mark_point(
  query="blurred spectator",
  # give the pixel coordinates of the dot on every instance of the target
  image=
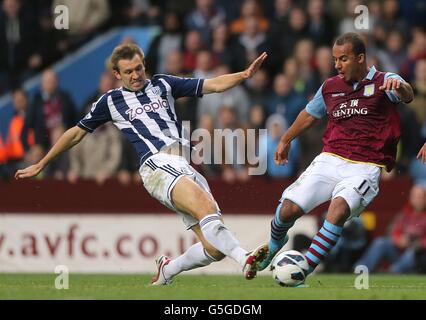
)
(285, 100)
(50, 114)
(280, 19)
(102, 164)
(416, 51)
(12, 153)
(396, 49)
(375, 52)
(291, 70)
(279, 26)
(4, 169)
(409, 143)
(389, 19)
(233, 146)
(204, 18)
(321, 26)
(407, 235)
(109, 159)
(192, 45)
(417, 169)
(419, 86)
(204, 65)
(298, 29)
(185, 107)
(226, 50)
(256, 117)
(258, 88)
(142, 12)
(135, 12)
(413, 12)
(53, 43)
(250, 9)
(304, 55)
(85, 18)
(107, 82)
(236, 98)
(18, 37)
(276, 126)
(324, 69)
(174, 64)
(253, 40)
(170, 39)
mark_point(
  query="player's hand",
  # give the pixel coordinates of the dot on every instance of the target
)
(255, 65)
(422, 154)
(281, 153)
(391, 84)
(28, 172)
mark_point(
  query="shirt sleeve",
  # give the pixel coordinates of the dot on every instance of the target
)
(391, 93)
(316, 107)
(98, 115)
(184, 87)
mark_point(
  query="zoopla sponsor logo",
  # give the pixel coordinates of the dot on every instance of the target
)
(148, 107)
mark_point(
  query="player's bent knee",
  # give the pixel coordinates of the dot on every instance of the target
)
(213, 252)
(208, 207)
(290, 211)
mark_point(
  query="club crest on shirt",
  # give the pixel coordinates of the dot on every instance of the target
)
(156, 90)
(369, 90)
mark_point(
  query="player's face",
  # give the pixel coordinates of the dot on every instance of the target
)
(347, 64)
(132, 73)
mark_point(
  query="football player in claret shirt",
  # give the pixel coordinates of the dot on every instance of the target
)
(360, 140)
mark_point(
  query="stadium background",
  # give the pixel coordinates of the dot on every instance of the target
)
(105, 221)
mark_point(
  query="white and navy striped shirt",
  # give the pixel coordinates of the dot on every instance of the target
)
(147, 117)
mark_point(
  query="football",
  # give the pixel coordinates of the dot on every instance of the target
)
(289, 268)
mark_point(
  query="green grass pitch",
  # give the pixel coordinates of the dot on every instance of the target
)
(210, 287)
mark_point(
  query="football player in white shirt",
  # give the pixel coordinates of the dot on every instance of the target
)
(143, 110)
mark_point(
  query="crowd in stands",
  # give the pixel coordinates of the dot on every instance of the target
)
(204, 38)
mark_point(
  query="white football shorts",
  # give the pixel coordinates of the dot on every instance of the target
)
(329, 177)
(161, 172)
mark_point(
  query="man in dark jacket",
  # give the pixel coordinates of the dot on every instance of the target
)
(51, 113)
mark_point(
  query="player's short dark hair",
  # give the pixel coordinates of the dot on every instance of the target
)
(358, 45)
(125, 52)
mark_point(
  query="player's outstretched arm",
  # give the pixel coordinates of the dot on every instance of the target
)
(69, 139)
(402, 89)
(227, 81)
(303, 122)
(422, 153)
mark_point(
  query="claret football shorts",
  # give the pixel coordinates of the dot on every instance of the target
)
(161, 172)
(329, 177)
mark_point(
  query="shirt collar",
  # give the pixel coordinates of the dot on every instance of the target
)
(371, 73)
(147, 82)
